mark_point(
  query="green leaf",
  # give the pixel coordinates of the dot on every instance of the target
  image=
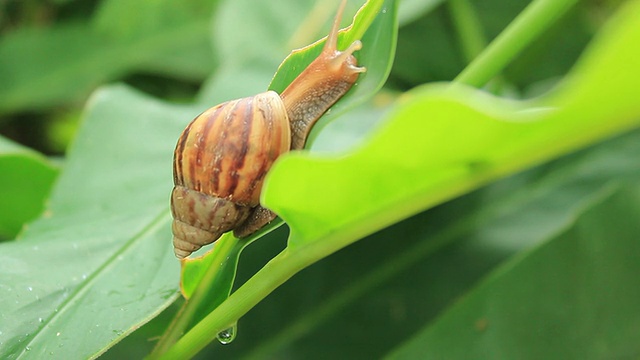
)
(410, 166)
(121, 18)
(100, 263)
(573, 297)
(171, 39)
(24, 185)
(48, 66)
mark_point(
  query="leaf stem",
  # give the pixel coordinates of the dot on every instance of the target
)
(274, 273)
(226, 248)
(468, 27)
(528, 25)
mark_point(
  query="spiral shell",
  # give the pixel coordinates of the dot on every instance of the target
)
(219, 166)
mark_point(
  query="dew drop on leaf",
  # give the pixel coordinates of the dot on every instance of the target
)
(227, 335)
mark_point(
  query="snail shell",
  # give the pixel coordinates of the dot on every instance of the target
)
(224, 154)
(219, 167)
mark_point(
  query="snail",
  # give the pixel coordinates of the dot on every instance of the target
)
(223, 155)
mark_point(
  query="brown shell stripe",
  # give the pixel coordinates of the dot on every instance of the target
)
(178, 177)
(244, 112)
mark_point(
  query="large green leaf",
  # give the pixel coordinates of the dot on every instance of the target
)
(24, 185)
(100, 263)
(574, 297)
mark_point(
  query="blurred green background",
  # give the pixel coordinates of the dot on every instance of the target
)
(53, 54)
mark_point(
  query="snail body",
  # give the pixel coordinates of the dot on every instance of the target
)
(223, 155)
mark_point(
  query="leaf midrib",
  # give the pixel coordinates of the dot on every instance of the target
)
(84, 287)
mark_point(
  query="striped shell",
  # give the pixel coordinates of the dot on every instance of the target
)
(219, 166)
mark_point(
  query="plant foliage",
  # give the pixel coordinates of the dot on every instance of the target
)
(493, 226)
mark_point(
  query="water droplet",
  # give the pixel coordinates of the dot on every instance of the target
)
(27, 348)
(40, 320)
(30, 288)
(84, 276)
(227, 335)
(58, 334)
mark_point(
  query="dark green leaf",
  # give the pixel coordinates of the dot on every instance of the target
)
(574, 297)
